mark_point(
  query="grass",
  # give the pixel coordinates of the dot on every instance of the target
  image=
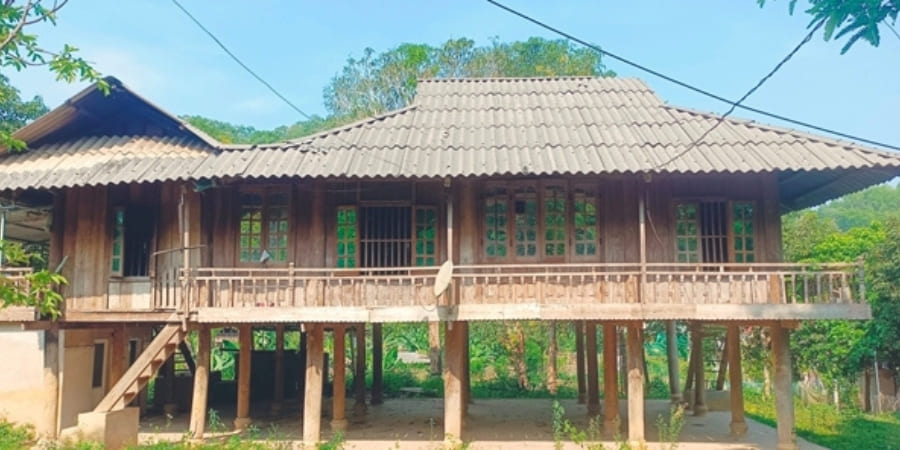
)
(14, 436)
(823, 425)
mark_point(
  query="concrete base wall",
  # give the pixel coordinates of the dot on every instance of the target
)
(715, 400)
(23, 396)
(115, 429)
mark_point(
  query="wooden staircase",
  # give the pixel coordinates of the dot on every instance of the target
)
(138, 375)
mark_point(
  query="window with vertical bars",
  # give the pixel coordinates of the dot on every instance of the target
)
(263, 226)
(495, 224)
(585, 223)
(426, 232)
(346, 239)
(742, 232)
(554, 202)
(525, 222)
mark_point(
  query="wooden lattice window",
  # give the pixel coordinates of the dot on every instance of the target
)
(263, 226)
(347, 236)
(496, 205)
(554, 212)
(426, 233)
(585, 223)
(687, 249)
(525, 222)
(742, 232)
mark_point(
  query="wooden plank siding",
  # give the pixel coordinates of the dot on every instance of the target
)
(308, 286)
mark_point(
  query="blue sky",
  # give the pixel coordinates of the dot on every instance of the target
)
(722, 46)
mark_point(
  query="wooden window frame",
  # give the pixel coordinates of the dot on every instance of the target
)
(489, 190)
(104, 366)
(122, 230)
(415, 236)
(265, 192)
(598, 237)
(355, 241)
(729, 226)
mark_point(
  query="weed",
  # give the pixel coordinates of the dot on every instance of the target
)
(335, 443)
(670, 430)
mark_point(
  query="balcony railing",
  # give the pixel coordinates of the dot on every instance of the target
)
(540, 284)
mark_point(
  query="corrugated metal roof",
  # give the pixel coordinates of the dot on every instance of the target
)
(484, 127)
(100, 160)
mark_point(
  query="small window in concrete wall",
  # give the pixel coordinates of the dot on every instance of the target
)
(132, 351)
(98, 374)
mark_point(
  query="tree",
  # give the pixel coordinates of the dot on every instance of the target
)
(20, 49)
(858, 19)
(379, 82)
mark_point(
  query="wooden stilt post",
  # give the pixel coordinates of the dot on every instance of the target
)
(635, 344)
(453, 381)
(312, 399)
(169, 406)
(700, 408)
(467, 379)
(672, 357)
(278, 389)
(723, 368)
(359, 376)
(610, 380)
(593, 388)
(245, 338)
(733, 343)
(579, 360)
(377, 364)
(118, 355)
(784, 395)
(339, 414)
(201, 383)
(434, 347)
(689, 379)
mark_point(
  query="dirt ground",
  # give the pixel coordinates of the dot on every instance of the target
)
(491, 424)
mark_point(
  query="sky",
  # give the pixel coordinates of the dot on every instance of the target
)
(298, 46)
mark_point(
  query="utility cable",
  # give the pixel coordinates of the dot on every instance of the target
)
(741, 100)
(683, 84)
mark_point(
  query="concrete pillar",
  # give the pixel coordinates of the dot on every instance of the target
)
(784, 394)
(245, 339)
(672, 358)
(700, 408)
(278, 388)
(454, 366)
(339, 406)
(377, 365)
(733, 343)
(593, 388)
(312, 399)
(635, 345)
(610, 380)
(48, 425)
(359, 377)
(201, 383)
(579, 360)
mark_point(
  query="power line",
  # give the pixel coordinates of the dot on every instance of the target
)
(748, 94)
(241, 63)
(891, 27)
(685, 84)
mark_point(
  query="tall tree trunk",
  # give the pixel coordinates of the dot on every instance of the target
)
(723, 367)
(552, 381)
(517, 339)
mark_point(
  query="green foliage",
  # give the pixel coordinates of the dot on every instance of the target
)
(670, 429)
(20, 49)
(38, 289)
(824, 425)
(378, 82)
(241, 134)
(15, 112)
(14, 436)
(855, 19)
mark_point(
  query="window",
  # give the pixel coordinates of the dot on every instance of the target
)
(547, 221)
(132, 241)
(714, 232)
(526, 224)
(426, 232)
(346, 236)
(98, 372)
(585, 223)
(495, 226)
(263, 226)
(742, 232)
(554, 221)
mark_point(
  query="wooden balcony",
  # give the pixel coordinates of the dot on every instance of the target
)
(16, 277)
(498, 292)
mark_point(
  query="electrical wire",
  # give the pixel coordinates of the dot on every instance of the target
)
(744, 97)
(683, 84)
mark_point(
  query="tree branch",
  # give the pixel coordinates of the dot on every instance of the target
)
(15, 31)
(56, 7)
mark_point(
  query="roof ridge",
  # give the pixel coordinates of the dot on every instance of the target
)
(535, 78)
